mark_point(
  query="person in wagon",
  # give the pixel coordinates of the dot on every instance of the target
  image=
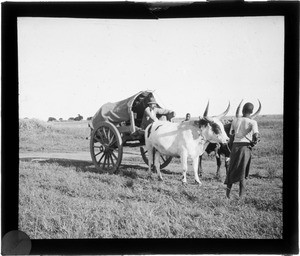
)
(245, 135)
(151, 112)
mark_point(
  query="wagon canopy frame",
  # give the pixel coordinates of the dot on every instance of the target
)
(128, 112)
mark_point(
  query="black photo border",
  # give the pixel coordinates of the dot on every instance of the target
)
(138, 10)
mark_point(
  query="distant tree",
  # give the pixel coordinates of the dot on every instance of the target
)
(89, 118)
(71, 119)
(78, 118)
(60, 119)
(51, 119)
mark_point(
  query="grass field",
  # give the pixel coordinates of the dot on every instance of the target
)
(63, 198)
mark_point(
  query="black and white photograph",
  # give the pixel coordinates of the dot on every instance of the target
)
(152, 128)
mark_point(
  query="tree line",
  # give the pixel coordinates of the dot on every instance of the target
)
(77, 118)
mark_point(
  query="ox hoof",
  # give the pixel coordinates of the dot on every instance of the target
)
(198, 183)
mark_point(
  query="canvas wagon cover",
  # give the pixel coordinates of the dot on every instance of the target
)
(120, 111)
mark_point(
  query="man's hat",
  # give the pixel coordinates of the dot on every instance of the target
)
(152, 101)
(248, 108)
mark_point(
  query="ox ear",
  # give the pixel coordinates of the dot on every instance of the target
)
(202, 121)
(257, 112)
(205, 121)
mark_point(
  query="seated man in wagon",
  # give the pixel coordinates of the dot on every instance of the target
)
(152, 112)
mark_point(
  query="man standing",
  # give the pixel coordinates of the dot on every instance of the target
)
(151, 112)
(187, 117)
(244, 130)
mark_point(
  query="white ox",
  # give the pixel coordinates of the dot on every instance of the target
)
(184, 140)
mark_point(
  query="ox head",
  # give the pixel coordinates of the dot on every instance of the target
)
(237, 114)
(212, 127)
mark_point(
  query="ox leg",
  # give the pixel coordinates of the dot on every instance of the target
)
(157, 164)
(195, 167)
(217, 150)
(184, 163)
(200, 170)
(227, 164)
(150, 160)
(218, 167)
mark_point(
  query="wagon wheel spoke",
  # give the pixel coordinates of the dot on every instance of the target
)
(108, 156)
(99, 161)
(97, 139)
(109, 137)
(113, 154)
(104, 131)
(98, 153)
(112, 160)
(101, 137)
(103, 166)
(111, 144)
(112, 141)
(163, 158)
(99, 133)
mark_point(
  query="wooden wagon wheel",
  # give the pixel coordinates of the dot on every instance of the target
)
(106, 147)
(165, 160)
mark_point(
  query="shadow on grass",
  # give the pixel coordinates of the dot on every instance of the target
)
(80, 165)
(132, 166)
(164, 171)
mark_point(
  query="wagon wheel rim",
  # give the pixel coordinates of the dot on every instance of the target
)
(164, 160)
(106, 148)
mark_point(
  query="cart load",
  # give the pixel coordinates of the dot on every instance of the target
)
(121, 111)
(116, 125)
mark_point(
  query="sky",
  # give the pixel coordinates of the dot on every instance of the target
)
(71, 66)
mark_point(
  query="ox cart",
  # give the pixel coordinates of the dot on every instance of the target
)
(118, 125)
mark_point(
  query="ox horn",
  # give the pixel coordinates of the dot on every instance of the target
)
(257, 112)
(237, 113)
(206, 110)
(225, 112)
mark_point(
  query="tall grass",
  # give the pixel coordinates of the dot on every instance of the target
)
(60, 202)
(36, 135)
(271, 130)
(71, 199)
